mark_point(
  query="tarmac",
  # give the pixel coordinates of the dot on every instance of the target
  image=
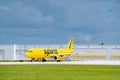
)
(95, 62)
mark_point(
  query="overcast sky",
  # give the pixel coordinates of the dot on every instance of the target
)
(54, 21)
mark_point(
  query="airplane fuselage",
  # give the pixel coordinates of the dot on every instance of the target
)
(46, 52)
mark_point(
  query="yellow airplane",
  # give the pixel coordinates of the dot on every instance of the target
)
(43, 53)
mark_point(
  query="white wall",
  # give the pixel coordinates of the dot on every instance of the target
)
(11, 52)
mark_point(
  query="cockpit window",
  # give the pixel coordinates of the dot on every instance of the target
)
(29, 51)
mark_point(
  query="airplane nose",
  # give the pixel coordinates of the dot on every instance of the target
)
(27, 54)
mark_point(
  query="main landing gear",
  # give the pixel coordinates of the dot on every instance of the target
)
(58, 58)
(43, 60)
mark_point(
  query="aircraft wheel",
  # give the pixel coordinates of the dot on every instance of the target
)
(43, 60)
(32, 59)
(55, 57)
(58, 60)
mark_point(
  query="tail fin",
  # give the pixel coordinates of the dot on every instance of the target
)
(70, 44)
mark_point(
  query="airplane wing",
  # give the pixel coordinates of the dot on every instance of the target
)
(52, 55)
(59, 56)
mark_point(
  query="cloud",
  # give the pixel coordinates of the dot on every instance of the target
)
(26, 14)
(48, 19)
(90, 15)
(3, 8)
(85, 37)
(107, 37)
(89, 21)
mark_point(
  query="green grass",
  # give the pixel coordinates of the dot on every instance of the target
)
(59, 72)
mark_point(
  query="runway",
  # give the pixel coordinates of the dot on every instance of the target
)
(96, 62)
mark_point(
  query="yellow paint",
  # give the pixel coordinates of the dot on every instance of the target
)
(116, 55)
(40, 53)
(59, 58)
(89, 55)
